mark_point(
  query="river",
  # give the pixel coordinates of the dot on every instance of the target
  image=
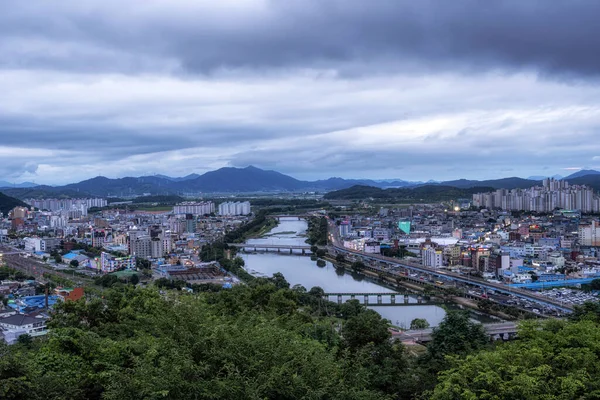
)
(301, 270)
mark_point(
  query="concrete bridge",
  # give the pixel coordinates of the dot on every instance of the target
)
(380, 296)
(298, 217)
(272, 247)
(500, 330)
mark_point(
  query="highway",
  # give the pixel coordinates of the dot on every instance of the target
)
(447, 275)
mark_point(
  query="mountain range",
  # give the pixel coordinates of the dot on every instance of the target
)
(252, 179)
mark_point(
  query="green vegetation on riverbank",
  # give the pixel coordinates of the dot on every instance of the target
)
(317, 231)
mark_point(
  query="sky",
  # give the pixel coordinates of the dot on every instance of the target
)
(413, 90)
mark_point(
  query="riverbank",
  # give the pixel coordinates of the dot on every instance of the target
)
(262, 230)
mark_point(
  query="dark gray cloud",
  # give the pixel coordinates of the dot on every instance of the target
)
(354, 37)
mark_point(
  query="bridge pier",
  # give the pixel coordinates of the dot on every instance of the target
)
(291, 251)
(352, 297)
(419, 299)
(393, 299)
(279, 250)
(339, 299)
(405, 298)
(366, 299)
(379, 300)
(303, 252)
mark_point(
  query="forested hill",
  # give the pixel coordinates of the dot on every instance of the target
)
(7, 203)
(427, 193)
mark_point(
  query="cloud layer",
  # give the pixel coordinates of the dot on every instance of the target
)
(314, 88)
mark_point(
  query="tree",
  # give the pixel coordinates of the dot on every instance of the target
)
(316, 291)
(25, 339)
(551, 360)
(456, 334)
(364, 328)
(595, 284)
(279, 280)
(135, 279)
(419, 323)
(358, 265)
(74, 263)
(57, 258)
(340, 258)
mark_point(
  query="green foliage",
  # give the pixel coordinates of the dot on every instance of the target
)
(340, 258)
(358, 266)
(317, 232)
(251, 342)
(74, 263)
(419, 323)
(552, 360)
(595, 284)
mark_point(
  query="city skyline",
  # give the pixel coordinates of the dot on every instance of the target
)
(312, 89)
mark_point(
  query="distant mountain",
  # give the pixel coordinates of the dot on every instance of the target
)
(7, 203)
(592, 180)
(504, 183)
(5, 184)
(541, 177)
(249, 179)
(583, 172)
(238, 180)
(419, 194)
(183, 178)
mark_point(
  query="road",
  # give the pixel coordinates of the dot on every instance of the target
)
(521, 293)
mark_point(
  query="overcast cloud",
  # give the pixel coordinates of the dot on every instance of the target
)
(416, 90)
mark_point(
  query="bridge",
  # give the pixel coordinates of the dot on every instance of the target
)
(272, 247)
(386, 262)
(505, 330)
(380, 296)
(298, 216)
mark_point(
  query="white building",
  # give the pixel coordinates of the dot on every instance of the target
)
(237, 208)
(589, 234)
(19, 324)
(372, 247)
(32, 244)
(194, 208)
(432, 257)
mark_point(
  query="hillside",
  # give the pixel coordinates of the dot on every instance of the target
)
(582, 173)
(592, 181)
(504, 183)
(427, 193)
(7, 203)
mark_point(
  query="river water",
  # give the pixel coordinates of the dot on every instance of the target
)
(301, 270)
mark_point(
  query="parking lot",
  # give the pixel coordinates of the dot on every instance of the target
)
(570, 296)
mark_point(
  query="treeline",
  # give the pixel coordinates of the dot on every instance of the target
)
(262, 340)
(317, 231)
(267, 340)
(426, 193)
(160, 199)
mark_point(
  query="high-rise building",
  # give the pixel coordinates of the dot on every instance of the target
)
(234, 208)
(589, 233)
